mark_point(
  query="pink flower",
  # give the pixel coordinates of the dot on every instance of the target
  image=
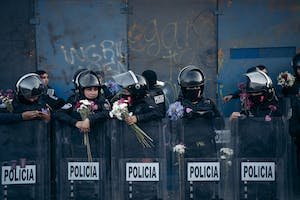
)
(268, 118)
(188, 110)
(272, 108)
(94, 106)
(242, 86)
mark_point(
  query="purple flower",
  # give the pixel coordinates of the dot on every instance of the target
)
(175, 111)
(113, 87)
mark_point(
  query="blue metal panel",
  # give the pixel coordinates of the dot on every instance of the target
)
(168, 35)
(80, 34)
(271, 52)
(246, 31)
(17, 41)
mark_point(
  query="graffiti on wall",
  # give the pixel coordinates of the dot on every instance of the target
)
(108, 56)
(174, 44)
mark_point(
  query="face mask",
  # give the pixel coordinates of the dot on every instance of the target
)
(192, 95)
(257, 99)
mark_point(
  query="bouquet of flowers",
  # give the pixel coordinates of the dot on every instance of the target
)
(6, 99)
(120, 111)
(285, 79)
(246, 104)
(175, 111)
(85, 108)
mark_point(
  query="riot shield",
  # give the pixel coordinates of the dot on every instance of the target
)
(25, 159)
(77, 178)
(138, 172)
(261, 158)
(195, 174)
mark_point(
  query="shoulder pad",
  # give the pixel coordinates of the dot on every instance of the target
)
(66, 106)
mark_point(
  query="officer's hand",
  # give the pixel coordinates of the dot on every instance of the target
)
(28, 115)
(82, 126)
(227, 98)
(234, 116)
(131, 120)
(85, 126)
(45, 116)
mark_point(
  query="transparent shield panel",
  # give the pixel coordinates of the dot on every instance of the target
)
(138, 172)
(25, 159)
(205, 168)
(78, 178)
(260, 164)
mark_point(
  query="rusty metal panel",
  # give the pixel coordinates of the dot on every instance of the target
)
(17, 33)
(167, 35)
(269, 29)
(74, 34)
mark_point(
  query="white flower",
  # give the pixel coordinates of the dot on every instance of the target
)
(226, 152)
(179, 148)
(285, 79)
(85, 102)
(118, 110)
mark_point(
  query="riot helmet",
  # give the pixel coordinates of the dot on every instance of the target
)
(87, 78)
(76, 76)
(30, 86)
(191, 80)
(258, 81)
(135, 84)
(259, 86)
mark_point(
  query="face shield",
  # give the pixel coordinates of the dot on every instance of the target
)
(126, 79)
(135, 84)
(258, 82)
(30, 86)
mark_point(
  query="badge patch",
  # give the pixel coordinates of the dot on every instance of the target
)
(159, 99)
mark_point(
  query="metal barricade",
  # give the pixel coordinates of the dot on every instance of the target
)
(261, 158)
(25, 159)
(76, 177)
(138, 172)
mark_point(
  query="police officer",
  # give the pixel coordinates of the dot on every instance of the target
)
(258, 96)
(29, 89)
(49, 96)
(135, 90)
(294, 90)
(155, 92)
(191, 80)
(88, 86)
(236, 94)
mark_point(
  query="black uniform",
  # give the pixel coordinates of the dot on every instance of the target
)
(52, 100)
(145, 110)
(70, 116)
(155, 92)
(203, 108)
(158, 97)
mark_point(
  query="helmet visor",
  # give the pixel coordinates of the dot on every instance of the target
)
(126, 79)
(31, 86)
